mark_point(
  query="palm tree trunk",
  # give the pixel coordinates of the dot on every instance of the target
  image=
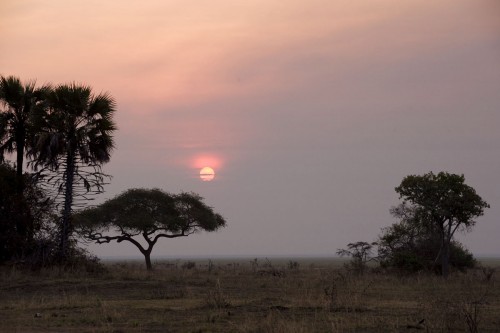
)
(20, 161)
(23, 225)
(20, 136)
(68, 203)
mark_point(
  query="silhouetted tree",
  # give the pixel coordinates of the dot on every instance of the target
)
(12, 215)
(147, 214)
(412, 244)
(21, 102)
(360, 253)
(442, 202)
(74, 139)
(32, 208)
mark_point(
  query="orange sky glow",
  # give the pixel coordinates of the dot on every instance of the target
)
(303, 108)
(206, 160)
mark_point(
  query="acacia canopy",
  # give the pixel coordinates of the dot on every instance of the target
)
(150, 214)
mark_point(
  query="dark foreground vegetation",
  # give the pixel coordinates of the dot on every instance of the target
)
(63, 135)
(247, 296)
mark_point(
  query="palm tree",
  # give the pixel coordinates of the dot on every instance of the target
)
(75, 133)
(22, 102)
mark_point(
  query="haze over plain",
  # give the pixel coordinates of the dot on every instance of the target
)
(309, 112)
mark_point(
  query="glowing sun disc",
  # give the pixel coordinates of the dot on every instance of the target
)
(207, 174)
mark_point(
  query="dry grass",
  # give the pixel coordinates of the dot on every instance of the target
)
(246, 297)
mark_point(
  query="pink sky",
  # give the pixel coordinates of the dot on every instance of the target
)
(310, 112)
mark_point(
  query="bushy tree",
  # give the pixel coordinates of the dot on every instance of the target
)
(444, 202)
(13, 215)
(32, 208)
(149, 214)
(414, 243)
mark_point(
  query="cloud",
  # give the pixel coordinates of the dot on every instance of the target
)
(314, 110)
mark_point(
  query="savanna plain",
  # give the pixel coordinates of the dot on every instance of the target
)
(248, 295)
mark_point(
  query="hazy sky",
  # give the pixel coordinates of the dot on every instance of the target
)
(310, 112)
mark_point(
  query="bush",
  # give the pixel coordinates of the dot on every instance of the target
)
(404, 261)
(26, 218)
(14, 216)
(460, 257)
(414, 244)
(188, 265)
(423, 254)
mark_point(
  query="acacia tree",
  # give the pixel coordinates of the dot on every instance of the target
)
(360, 252)
(74, 139)
(446, 203)
(147, 214)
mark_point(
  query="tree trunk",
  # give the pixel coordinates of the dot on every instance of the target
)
(24, 225)
(147, 256)
(445, 258)
(19, 166)
(68, 203)
(20, 138)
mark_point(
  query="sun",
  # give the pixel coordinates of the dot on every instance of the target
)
(207, 174)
